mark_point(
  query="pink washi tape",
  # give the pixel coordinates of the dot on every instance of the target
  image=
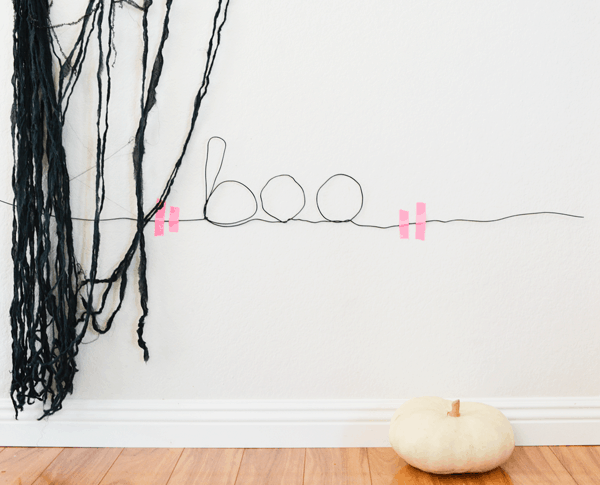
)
(421, 220)
(403, 224)
(174, 219)
(159, 221)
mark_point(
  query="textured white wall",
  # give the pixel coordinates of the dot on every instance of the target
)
(479, 109)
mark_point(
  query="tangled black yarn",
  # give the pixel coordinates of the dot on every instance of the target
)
(44, 307)
(53, 304)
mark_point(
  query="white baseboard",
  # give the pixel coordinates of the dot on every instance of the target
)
(273, 424)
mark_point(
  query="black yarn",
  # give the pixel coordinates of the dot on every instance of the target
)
(44, 308)
(46, 323)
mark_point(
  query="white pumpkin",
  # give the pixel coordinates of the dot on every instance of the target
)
(441, 436)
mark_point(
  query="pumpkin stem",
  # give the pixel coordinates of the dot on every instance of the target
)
(455, 409)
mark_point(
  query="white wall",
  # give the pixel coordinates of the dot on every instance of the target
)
(479, 109)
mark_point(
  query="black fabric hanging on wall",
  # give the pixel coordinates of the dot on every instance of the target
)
(53, 302)
(44, 308)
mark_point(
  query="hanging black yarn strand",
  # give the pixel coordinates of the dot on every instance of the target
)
(43, 312)
(213, 46)
(70, 69)
(119, 275)
(101, 140)
(138, 156)
(214, 42)
(147, 102)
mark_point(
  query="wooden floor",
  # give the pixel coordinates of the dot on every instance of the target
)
(562, 465)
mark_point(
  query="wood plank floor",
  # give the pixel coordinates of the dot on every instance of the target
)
(547, 465)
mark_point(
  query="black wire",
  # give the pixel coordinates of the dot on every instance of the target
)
(362, 198)
(262, 202)
(295, 219)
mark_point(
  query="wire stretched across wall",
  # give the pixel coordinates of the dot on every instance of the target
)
(293, 214)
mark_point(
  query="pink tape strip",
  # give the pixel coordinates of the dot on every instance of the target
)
(159, 221)
(421, 219)
(174, 219)
(403, 224)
